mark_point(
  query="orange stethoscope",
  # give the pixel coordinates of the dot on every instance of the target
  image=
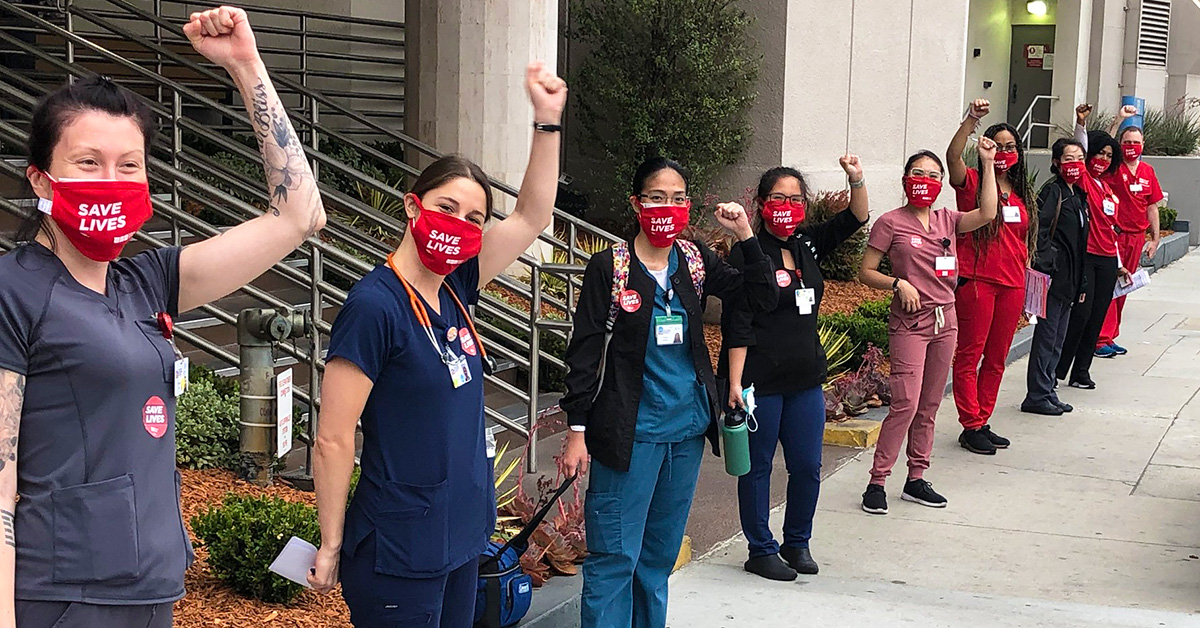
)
(423, 318)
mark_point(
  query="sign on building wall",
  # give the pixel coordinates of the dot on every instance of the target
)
(1039, 56)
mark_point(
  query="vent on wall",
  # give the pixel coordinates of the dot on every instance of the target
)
(1153, 27)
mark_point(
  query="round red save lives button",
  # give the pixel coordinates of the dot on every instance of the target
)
(631, 301)
(916, 241)
(783, 278)
(468, 343)
(154, 417)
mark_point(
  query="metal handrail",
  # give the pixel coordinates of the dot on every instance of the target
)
(1028, 119)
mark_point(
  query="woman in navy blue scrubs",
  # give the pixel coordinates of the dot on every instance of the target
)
(405, 360)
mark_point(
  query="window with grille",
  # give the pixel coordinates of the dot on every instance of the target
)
(1153, 28)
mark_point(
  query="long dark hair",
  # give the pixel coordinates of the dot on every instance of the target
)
(59, 109)
(449, 168)
(1018, 177)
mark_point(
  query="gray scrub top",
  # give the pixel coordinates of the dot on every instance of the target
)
(98, 517)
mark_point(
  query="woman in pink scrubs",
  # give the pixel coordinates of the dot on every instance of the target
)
(922, 329)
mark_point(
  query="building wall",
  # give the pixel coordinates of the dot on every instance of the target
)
(1107, 54)
(1021, 14)
(1183, 53)
(989, 31)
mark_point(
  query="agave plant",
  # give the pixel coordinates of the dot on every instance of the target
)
(839, 349)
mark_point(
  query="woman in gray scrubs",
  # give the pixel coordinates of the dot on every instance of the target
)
(87, 378)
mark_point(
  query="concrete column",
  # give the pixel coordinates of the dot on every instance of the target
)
(1183, 53)
(1107, 54)
(465, 77)
(1072, 52)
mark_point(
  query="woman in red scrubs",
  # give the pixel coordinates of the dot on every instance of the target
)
(991, 284)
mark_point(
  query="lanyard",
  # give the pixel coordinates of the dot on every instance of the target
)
(423, 316)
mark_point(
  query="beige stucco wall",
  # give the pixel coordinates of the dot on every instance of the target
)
(989, 30)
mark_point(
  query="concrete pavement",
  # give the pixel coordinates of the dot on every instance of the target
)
(1090, 519)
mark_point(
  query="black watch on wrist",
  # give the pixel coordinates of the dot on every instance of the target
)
(896, 284)
(547, 128)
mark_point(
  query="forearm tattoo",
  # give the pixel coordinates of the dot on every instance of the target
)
(12, 397)
(288, 174)
(10, 538)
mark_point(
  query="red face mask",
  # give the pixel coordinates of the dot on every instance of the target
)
(444, 242)
(1098, 166)
(1005, 160)
(922, 191)
(782, 217)
(1132, 152)
(1072, 171)
(663, 223)
(98, 216)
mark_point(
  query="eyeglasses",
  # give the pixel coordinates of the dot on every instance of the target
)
(932, 174)
(1007, 148)
(662, 199)
(797, 199)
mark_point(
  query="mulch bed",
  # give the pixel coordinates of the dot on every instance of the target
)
(842, 297)
(211, 603)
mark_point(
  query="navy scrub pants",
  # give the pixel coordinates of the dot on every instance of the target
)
(33, 614)
(797, 421)
(381, 601)
(635, 522)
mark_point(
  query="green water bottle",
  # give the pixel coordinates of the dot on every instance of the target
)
(735, 438)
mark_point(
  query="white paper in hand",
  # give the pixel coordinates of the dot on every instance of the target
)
(295, 561)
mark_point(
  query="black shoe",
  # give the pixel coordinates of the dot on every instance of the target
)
(921, 492)
(1047, 409)
(875, 500)
(976, 442)
(771, 567)
(1065, 407)
(1083, 382)
(999, 441)
(800, 559)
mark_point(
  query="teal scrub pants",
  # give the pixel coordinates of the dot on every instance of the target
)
(635, 523)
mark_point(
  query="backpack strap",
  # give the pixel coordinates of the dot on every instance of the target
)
(620, 281)
(695, 263)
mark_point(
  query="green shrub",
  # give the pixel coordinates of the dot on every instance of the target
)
(861, 329)
(1166, 217)
(843, 263)
(1174, 132)
(225, 386)
(244, 535)
(671, 77)
(876, 310)
(206, 427)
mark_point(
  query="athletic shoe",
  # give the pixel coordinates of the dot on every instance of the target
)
(999, 441)
(800, 559)
(921, 492)
(1083, 382)
(976, 442)
(875, 500)
(1117, 349)
(771, 567)
(1047, 409)
(1065, 407)
(1106, 351)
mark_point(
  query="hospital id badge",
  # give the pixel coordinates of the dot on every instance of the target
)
(1110, 208)
(1012, 213)
(460, 371)
(668, 330)
(805, 299)
(944, 265)
(181, 376)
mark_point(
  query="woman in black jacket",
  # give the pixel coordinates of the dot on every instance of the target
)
(642, 403)
(1061, 249)
(779, 353)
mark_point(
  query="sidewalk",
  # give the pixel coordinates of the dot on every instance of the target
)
(1090, 519)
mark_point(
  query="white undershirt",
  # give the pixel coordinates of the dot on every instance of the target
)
(661, 277)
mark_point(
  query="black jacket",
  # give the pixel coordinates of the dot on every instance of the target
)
(784, 354)
(611, 419)
(1060, 254)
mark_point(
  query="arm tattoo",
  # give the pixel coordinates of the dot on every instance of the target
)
(10, 538)
(12, 397)
(283, 155)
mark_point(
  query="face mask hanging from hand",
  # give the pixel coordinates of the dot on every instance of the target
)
(443, 242)
(663, 223)
(98, 216)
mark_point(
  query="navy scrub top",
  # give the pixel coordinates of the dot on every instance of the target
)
(426, 487)
(98, 519)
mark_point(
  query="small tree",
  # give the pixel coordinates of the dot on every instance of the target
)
(663, 77)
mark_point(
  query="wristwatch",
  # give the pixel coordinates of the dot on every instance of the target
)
(547, 128)
(896, 284)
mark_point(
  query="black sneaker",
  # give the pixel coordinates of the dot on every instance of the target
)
(999, 441)
(875, 500)
(921, 492)
(1083, 382)
(1065, 407)
(800, 559)
(976, 442)
(771, 567)
(1046, 408)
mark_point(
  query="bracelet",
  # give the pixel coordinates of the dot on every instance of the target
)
(896, 284)
(857, 184)
(547, 128)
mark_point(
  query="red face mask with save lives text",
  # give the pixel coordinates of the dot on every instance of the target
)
(98, 216)
(1132, 152)
(782, 217)
(922, 191)
(663, 223)
(1072, 171)
(444, 242)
